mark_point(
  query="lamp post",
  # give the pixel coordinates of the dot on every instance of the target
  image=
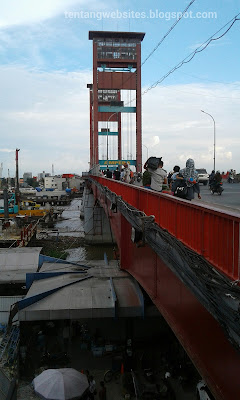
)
(147, 150)
(107, 133)
(214, 137)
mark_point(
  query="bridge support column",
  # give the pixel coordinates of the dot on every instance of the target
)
(96, 224)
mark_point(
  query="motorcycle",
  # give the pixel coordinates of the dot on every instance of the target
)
(230, 179)
(217, 188)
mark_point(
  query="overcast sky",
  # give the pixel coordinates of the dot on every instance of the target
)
(46, 63)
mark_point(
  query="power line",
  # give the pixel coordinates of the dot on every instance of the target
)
(199, 49)
(201, 94)
(168, 32)
(163, 38)
(206, 79)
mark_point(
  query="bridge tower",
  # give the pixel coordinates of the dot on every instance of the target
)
(116, 67)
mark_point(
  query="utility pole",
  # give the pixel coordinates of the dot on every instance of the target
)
(1, 170)
(8, 180)
(214, 140)
(5, 196)
(17, 192)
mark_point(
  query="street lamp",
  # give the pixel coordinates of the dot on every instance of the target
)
(107, 132)
(147, 150)
(214, 137)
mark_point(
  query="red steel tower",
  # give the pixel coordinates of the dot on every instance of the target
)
(116, 67)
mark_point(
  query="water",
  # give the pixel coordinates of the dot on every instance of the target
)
(73, 226)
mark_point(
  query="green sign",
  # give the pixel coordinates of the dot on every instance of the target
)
(116, 162)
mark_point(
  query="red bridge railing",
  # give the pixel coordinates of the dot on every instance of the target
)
(209, 231)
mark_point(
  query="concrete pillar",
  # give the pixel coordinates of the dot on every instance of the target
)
(96, 224)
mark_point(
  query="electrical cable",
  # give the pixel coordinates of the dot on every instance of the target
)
(110, 227)
(199, 49)
(186, 60)
(162, 39)
(215, 291)
(201, 94)
(168, 32)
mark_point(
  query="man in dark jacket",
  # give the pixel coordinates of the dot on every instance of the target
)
(108, 174)
(117, 174)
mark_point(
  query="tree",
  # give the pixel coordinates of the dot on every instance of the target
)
(32, 182)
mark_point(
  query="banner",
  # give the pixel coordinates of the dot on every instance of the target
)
(116, 163)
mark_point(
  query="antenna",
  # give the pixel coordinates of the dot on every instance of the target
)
(52, 170)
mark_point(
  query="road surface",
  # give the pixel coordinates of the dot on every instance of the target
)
(230, 197)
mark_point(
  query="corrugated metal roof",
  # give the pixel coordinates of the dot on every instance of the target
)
(5, 304)
(91, 298)
(4, 317)
(16, 262)
(7, 301)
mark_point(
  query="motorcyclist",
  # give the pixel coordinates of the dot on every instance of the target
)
(231, 176)
(217, 179)
(211, 177)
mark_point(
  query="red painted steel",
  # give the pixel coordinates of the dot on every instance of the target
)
(119, 131)
(91, 127)
(210, 232)
(104, 116)
(116, 80)
(198, 332)
(95, 107)
(138, 112)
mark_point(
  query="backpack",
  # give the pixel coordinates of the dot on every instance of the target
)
(180, 189)
(146, 178)
(153, 162)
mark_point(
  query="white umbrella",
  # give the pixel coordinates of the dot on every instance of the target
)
(60, 384)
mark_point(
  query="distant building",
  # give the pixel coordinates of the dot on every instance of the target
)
(55, 182)
(42, 175)
(26, 176)
(73, 181)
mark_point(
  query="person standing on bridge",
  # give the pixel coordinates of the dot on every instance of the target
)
(117, 174)
(126, 173)
(190, 176)
(108, 174)
(158, 176)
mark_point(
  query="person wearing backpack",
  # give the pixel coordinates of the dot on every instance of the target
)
(146, 179)
(190, 176)
(158, 175)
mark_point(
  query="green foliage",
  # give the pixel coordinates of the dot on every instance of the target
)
(32, 182)
(56, 253)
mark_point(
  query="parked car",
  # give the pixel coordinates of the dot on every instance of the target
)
(203, 393)
(203, 176)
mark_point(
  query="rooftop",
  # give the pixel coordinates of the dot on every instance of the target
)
(102, 291)
(112, 34)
